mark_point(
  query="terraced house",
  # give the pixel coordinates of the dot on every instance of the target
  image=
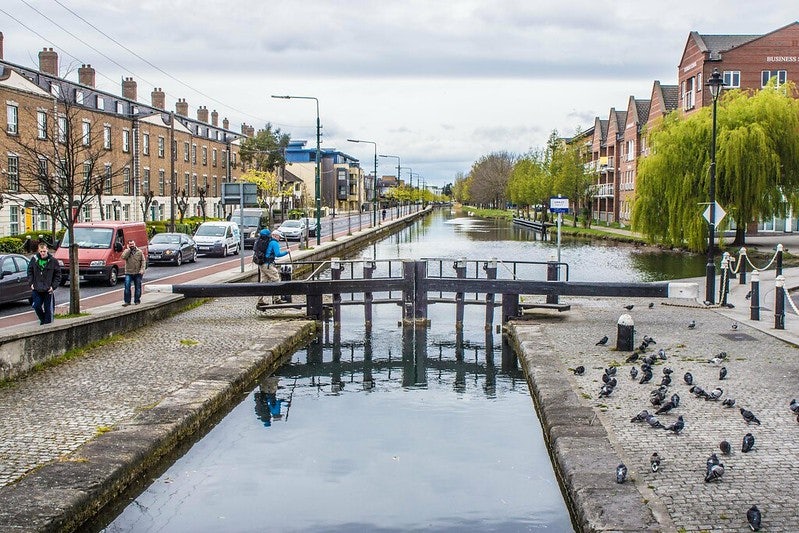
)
(140, 161)
(746, 62)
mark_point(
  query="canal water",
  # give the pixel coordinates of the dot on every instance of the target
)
(381, 431)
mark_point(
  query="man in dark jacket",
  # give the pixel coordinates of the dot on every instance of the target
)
(44, 275)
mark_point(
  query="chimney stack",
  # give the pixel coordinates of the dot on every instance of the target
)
(214, 114)
(129, 89)
(225, 123)
(159, 98)
(202, 114)
(86, 75)
(182, 107)
(48, 62)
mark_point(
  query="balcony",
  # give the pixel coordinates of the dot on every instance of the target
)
(603, 190)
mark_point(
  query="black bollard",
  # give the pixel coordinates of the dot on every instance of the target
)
(742, 266)
(754, 296)
(779, 259)
(725, 279)
(779, 304)
(552, 275)
(625, 335)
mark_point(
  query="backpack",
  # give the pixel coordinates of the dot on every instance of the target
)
(259, 252)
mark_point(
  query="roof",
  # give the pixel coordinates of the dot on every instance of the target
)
(642, 106)
(714, 45)
(671, 96)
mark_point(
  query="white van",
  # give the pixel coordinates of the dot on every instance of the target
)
(218, 238)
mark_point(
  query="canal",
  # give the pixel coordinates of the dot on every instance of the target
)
(378, 431)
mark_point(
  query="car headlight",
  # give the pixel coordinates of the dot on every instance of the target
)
(169, 252)
(98, 263)
(253, 234)
(60, 262)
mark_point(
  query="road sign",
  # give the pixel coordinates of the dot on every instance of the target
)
(720, 214)
(232, 194)
(558, 205)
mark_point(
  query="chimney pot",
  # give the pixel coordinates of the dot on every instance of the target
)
(86, 75)
(129, 89)
(226, 123)
(158, 98)
(214, 118)
(182, 107)
(202, 114)
(48, 62)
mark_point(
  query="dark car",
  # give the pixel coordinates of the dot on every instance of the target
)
(174, 248)
(13, 278)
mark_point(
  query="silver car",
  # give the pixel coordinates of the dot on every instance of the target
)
(294, 230)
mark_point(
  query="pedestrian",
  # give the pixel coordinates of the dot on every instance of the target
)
(384, 214)
(134, 271)
(264, 252)
(44, 276)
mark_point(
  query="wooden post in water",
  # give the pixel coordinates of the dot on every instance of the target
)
(314, 306)
(335, 275)
(408, 292)
(491, 273)
(460, 273)
(510, 307)
(420, 297)
(368, 269)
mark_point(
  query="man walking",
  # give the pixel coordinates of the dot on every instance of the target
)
(134, 271)
(44, 275)
(264, 252)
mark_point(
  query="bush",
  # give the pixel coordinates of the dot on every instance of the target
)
(12, 244)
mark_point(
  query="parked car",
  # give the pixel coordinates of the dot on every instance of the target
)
(218, 238)
(294, 230)
(255, 219)
(174, 248)
(310, 223)
(13, 278)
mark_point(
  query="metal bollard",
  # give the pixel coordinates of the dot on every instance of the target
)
(742, 266)
(625, 334)
(779, 304)
(725, 279)
(552, 275)
(754, 296)
(779, 259)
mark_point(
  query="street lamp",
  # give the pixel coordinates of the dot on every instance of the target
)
(714, 84)
(115, 204)
(317, 183)
(374, 194)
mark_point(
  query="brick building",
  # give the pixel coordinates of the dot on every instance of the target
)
(148, 154)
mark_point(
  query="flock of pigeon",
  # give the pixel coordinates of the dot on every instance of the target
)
(663, 401)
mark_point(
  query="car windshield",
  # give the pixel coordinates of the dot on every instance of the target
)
(90, 237)
(291, 224)
(164, 238)
(210, 231)
(248, 220)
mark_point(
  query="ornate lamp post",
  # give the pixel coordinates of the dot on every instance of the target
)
(374, 194)
(714, 84)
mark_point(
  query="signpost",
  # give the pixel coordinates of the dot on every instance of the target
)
(559, 205)
(244, 194)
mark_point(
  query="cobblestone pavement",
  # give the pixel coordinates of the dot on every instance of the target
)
(51, 413)
(763, 377)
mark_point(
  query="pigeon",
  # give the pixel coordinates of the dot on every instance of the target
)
(729, 402)
(653, 422)
(722, 372)
(714, 472)
(675, 399)
(610, 371)
(688, 378)
(633, 358)
(605, 391)
(794, 406)
(734, 325)
(748, 443)
(629, 307)
(677, 426)
(748, 295)
(649, 340)
(667, 371)
(698, 391)
(603, 341)
(692, 324)
(714, 395)
(662, 354)
(749, 416)
(651, 305)
(640, 417)
(579, 371)
(725, 447)
(722, 355)
(658, 396)
(633, 372)
(754, 517)
(650, 359)
(654, 461)
(713, 460)
(621, 473)
(642, 348)
(665, 408)
(666, 380)
(647, 376)
(716, 360)
(605, 378)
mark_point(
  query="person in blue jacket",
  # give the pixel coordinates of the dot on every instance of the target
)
(264, 252)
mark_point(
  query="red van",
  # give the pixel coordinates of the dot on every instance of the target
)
(100, 246)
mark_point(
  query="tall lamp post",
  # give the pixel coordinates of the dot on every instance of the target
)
(714, 84)
(374, 193)
(317, 179)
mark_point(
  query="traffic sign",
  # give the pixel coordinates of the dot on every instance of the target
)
(558, 205)
(720, 214)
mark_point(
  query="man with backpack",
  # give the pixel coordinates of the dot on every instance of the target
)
(264, 252)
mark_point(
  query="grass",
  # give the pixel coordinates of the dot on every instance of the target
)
(70, 315)
(101, 430)
(189, 342)
(74, 353)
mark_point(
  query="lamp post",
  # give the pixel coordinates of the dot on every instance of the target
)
(317, 180)
(374, 193)
(714, 84)
(115, 204)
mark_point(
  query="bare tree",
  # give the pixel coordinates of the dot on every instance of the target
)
(147, 200)
(202, 192)
(489, 178)
(61, 169)
(182, 202)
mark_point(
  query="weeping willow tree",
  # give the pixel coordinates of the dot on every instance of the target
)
(757, 167)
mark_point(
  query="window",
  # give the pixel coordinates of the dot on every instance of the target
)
(160, 147)
(126, 180)
(205, 156)
(120, 108)
(78, 97)
(107, 136)
(12, 119)
(108, 185)
(55, 89)
(186, 152)
(186, 182)
(213, 157)
(87, 170)
(14, 220)
(630, 150)
(60, 176)
(87, 213)
(126, 141)
(688, 94)
(145, 181)
(145, 143)
(161, 181)
(42, 176)
(62, 129)
(732, 79)
(126, 212)
(41, 124)
(13, 173)
(766, 76)
(699, 82)
(86, 136)
(215, 183)
(100, 102)
(193, 154)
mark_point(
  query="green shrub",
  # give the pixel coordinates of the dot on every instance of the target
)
(12, 244)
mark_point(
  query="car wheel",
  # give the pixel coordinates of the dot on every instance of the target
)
(113, 277)
(236, 250)
(179, 259)
(224, 251)
(193, 256)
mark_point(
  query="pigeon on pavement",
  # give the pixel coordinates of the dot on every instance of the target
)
(579, 371)
(794, 406)
(729, 402)
(603, 341)
(688, 378)
(748, 443)
(654, 462)
(633, 372)
(621, 473)
(640, 417)
(629, 307)
(722, 372)
(725, 447)
(677, 426)
(754, 518)
(633, 358)
(749, 416)
(692, 324)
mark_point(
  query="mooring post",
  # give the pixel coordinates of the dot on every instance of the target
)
(368, 269)
(725, 276)
(491, 273)
(460, 273)
(408, 292)
(313, 304)
(779, 304)
(779, 259)
(420, 294)
(742, 266)
(335, 275)
(552, 275)
(625, 333)
(754, 296)
(510, 307)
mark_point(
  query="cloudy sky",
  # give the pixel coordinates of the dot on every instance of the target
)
(437, 82)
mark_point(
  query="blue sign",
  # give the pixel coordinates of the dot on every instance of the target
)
(558, 205)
